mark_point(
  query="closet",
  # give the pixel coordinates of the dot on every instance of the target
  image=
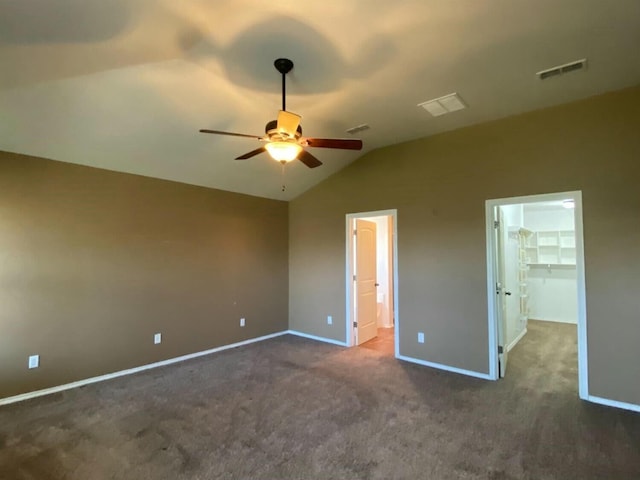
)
(550, 253)
(540, 266)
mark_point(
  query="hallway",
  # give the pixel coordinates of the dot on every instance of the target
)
(383, 343)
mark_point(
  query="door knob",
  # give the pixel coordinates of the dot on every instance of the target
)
(377, 284)
(507, 293)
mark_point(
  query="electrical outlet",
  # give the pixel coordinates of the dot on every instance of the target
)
(242, 322)
(34, 361)
(420, 337)
(329, 320)
(157, 338)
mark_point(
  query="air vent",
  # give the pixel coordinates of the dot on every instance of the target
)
(359, 128)
(561, 69)
(440, 106)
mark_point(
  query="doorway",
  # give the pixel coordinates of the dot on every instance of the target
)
(535, 280)
(371, 279)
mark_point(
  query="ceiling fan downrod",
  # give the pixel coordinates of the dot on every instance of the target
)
(284, 66)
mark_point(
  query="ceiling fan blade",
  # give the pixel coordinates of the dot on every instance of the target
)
(288, 122)
(250, 154)
(343, 143)
(219, 132)
(308, 159)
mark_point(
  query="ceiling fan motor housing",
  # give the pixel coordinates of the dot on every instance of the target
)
(271, 128)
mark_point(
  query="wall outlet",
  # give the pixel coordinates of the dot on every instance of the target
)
(34, 361)
(329, 320)
(242, 322)
(420, 337)
(157, 338)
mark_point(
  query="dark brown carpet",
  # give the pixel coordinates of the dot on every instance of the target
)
(290, 408)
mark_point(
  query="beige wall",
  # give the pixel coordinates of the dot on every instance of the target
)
(93, 263)
(439, 186)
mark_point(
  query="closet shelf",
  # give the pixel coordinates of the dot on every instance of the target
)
(551, 248)
(552, 265)
(524, 253)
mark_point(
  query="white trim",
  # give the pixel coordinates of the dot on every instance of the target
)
(447, 368)
(613, 403)
(129, 371)
(393, 213)
(314, 337)
(583, 362)
(516, 340)
(491, 292)
(396, 297)
(583, 371)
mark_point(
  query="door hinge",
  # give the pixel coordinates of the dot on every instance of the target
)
(355, 232)
(496, 224)
(500, 349)
(354, 278)
(355, 324)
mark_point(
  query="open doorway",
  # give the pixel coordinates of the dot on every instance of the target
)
(371, 269)
(536, 283)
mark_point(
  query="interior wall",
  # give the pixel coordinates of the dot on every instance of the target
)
(93, 263)
(541, 218)
(439, 186)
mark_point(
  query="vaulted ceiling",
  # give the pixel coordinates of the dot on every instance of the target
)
(126, 84)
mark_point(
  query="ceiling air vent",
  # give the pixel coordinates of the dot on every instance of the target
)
(440, 106)
(560, 69)
(359, 128)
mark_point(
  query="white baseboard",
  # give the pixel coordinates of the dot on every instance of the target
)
(554, 320)
(109, 376)
(439, 366)
(516, 340)
(614, 403)
(314, 337)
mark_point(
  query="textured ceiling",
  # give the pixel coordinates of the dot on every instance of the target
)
(126, 84)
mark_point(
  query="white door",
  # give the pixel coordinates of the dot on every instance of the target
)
(365, 281)
(501, 289)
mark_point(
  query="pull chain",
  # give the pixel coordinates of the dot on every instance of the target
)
(283, 185)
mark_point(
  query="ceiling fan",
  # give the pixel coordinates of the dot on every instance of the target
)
(283, 137)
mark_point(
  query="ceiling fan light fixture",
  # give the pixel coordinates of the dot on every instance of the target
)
(283, 137)
(283, 151)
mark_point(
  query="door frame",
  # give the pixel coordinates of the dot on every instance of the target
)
(490, 205)
(349, 311)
